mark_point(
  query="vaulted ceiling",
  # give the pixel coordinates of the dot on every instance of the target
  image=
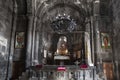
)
(46, 11)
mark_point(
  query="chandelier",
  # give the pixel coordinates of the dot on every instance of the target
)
(63, 23)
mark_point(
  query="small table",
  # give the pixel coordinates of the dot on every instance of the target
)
(61, 58)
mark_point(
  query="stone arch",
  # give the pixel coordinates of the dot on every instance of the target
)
(43, 11)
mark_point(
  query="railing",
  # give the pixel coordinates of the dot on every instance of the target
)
(69, 74)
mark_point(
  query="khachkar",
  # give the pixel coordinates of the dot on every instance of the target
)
(62, 53)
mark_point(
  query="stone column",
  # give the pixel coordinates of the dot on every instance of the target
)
(11, 58)
(29, 41)
(96, 31)
(35, 43)
(36, 47)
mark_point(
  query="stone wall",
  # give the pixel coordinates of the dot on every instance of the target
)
(116, 37)
(20, 27)
(116, 24)
(5, 35)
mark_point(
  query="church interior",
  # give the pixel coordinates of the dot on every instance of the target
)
(59, 40)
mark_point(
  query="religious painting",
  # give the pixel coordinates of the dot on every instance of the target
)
(105, 41)
(20, 37)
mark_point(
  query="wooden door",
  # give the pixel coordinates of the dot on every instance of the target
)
(108, 70)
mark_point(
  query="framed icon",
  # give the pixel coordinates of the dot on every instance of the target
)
(20, 38)
(105, 41)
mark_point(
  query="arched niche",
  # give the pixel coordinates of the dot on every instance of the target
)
(47, 38)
